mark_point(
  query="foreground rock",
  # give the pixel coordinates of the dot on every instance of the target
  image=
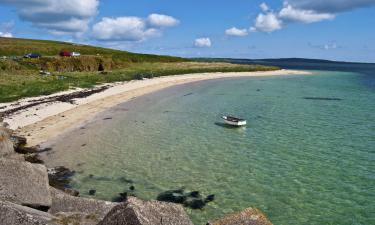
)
(62, 202)
(249, 216)
(25, 184)
(12, 214)
(138, 212)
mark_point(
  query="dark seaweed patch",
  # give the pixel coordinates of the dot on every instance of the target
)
(322, 99)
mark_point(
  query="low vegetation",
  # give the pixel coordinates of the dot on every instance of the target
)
(21, 78)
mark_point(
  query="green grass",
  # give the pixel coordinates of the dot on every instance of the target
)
(20, 47)
(20, 78)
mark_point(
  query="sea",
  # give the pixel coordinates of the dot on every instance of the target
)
(307, 155)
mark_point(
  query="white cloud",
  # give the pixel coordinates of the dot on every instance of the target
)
(159, 20)
(65, 16)
(331, 6)
(301, 15)
(267, 22)
(264, 7)
(132, 28)
(123, 29)
(202, 42)
(6, 29)
(236, 32)
(6, 34)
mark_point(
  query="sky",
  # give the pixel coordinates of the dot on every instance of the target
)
(341, 30)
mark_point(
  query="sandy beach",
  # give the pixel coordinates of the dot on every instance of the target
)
(41, 122)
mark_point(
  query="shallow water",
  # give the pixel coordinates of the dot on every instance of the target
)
(307, 155)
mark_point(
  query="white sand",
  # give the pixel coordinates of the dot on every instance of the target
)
(43, 122)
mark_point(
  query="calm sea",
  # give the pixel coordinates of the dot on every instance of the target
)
(307, 155)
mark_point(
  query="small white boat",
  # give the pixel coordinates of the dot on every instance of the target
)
(234, 121)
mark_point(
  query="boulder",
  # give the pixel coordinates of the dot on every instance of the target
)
(24, 183)
(138, 212)
(12, 214)
(249, 216)
(62, 202)
(6, 145)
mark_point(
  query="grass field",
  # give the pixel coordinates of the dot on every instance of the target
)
(20, 78)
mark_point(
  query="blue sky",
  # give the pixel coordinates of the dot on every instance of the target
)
(325, 29)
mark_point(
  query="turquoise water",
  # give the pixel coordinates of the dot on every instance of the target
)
(300, 161)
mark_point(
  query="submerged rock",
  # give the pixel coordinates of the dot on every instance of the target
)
(92, 192)
(122, 197)
(60, 177)
(249, 216)
(33, 158)
(194, 203)
(138, 212)
(193, 200)
(210, 198)
(24, 183)
(174, 196)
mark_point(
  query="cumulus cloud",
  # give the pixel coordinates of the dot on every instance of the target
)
(290, 13)
(236, 32)
(159, 20)
(203, 42)
(68, 16)
(264, 7)
(131, 28)
(267, 22)
(122, 29)
(331, 6)
(6, 29)
(302, 11)
(6, 34)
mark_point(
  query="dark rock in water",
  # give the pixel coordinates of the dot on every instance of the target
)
(194, 194)
(175, 196)
(249, 216)
(12, 214)
(107, 118)
(44, 150)
(321, 98)
(60, 177)
(18, 141)
(122, 197)
(210, 198)
(194, 203)
(92, 192)
(138, 212)
(24, 183)
(132, 188)
(191, 200)
(33, 158)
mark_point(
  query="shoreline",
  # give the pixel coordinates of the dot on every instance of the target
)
(45, 118)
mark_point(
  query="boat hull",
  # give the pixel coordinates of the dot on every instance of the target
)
(234, 121)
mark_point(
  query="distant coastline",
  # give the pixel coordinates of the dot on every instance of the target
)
(41, 122)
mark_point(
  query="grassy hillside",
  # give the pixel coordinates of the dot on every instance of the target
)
(20, 77)
(20, 47)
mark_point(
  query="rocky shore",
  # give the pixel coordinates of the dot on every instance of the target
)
(31, 194)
